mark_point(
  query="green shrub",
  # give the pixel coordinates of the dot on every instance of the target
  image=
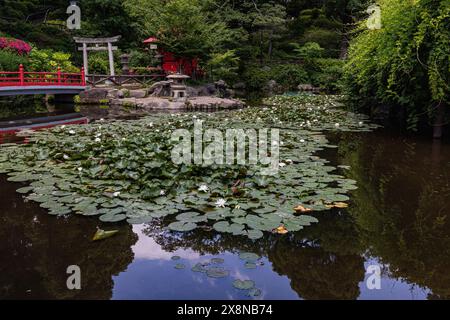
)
(325, 38)
(142, 59)
(10, 61)
(224, 66)
(405, 64)
(99, 63)
(329, 77)
(289, 76)
(49, 60)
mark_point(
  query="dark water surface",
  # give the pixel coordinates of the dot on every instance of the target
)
(399, 219)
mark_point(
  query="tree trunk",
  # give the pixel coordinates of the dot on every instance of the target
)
(344, 47)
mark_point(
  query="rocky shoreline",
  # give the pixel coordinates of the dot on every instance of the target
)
(140, 101)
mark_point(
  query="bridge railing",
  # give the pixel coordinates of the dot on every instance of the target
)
(26, 78)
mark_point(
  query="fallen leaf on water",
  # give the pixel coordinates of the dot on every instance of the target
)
(281, 230)
(102, 234)
(301, 209)
(340, 205)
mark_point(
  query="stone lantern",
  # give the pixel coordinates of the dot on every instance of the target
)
(178, 89)
(124, 60)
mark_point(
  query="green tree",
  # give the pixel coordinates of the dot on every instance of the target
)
(181, 26)
(405, 64)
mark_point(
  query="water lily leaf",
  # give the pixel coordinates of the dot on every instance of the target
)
(254, 292)
(108, 217)
(243, 284)
(254, 234)
(22, 178)
(25, 190)
(217, 260)
(175, 257)
(191, 216)
(236, 229)
(217, 272)
(222, 226)
(182, 226)
(248, 256)
(59, 211)
(102, 234)
(198, 267)
(180, 266)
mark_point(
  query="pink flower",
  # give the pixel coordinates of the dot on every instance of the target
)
(21, 47)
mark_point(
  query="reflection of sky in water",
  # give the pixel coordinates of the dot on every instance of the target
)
(391, 289)
(152, 276)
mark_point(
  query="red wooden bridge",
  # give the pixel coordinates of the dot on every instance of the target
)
(23, 82)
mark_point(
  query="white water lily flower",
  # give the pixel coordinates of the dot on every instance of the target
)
(162, 193)
(203, 188)
(66, 157)
(289, 161)
(282, 164)
(63, 126)
(97, 140)
(80, 169)
(72, 131)
(116, 194)
(237, 206)
(360, 123)
(302, 140)
(336, 125)
(101, 119)
(220, 203)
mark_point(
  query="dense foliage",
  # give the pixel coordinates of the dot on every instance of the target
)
(406, 63)
(239, 41)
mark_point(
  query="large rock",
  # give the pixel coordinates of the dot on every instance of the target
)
(138, 94)
(272, 87)
(131, 106)
(94, 95)
(159, 89)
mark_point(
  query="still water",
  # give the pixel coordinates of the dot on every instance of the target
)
(398, 219)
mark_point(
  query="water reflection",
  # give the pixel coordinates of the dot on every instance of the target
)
(36, 250)
(402, 206)
(397, 218)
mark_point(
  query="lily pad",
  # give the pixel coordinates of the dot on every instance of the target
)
(248, 256)
(243, 284)
(217, 272)
(182, 226)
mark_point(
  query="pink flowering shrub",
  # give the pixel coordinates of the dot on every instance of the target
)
(21, 47)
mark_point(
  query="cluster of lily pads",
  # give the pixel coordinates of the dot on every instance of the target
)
(123, 170)
(213, 269)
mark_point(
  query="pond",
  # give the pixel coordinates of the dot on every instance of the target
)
(396, 219)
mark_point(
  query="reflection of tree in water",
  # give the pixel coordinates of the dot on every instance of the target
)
(321, 262)
(331, 270)
(402, 206)
(36, 250)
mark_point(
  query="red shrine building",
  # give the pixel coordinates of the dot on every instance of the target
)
(172, 64)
